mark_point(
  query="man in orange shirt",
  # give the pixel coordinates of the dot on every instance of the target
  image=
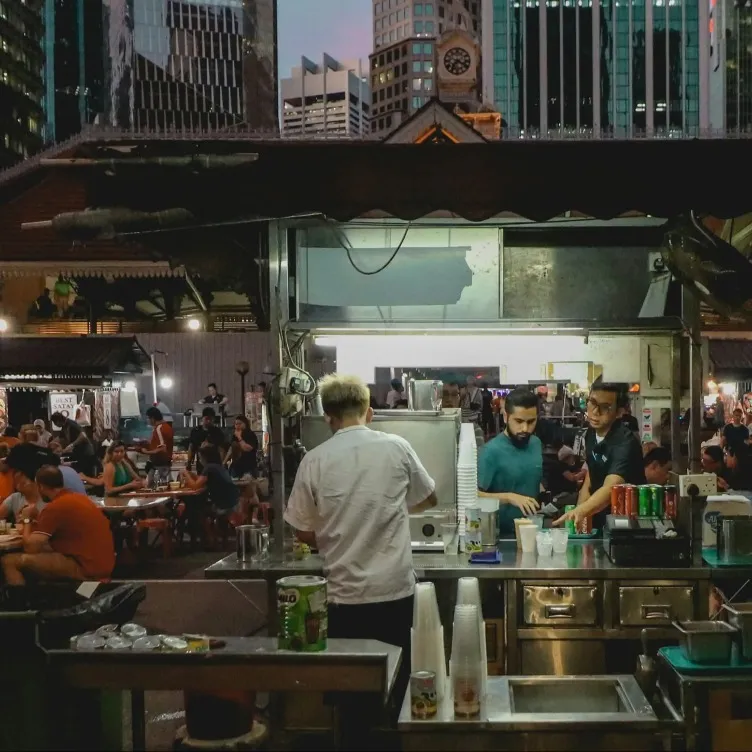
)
(10, 437)
(160, 447)
(7, 486)
(70, 539)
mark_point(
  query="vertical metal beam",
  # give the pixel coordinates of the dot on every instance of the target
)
(676, 393)
(278, 299)
(596, 44)
(81, 34)
(703, 14)
(693, 323)
(684, 37)
(543, 68)
(49, 69)
(649, 69)
(561, 69)
(577, 63)
(630, 78)
(523, 14)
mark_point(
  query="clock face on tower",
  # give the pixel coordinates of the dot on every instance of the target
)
(457, 61)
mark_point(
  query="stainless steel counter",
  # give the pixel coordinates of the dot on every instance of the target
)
(583, 560)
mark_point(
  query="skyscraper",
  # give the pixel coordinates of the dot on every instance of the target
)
(191, 64)
(602, 67)
(731, 65)
(74, 66)
(21, 85)
(330, 99)
(403, 63)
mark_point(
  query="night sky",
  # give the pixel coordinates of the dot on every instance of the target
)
(342, 28)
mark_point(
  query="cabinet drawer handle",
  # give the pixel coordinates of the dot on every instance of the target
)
(654, 611)
(560, 612)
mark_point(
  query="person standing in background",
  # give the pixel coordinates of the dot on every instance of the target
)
(735, 433)
(160, 447)
(394, 395)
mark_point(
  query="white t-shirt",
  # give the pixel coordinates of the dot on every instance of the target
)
(353, 491)
(16, 502)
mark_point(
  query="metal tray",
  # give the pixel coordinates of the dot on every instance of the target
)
(740, 617)
(707, 641)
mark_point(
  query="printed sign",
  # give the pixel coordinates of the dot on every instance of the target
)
(64, 403)
(107, 410)
(646, 428)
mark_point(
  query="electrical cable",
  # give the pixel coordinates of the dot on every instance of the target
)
(342, 240)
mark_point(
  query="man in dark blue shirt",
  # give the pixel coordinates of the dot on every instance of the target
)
(612, 452)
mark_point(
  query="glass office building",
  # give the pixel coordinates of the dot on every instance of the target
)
(191, 64)
(21, 83)
(621, 68)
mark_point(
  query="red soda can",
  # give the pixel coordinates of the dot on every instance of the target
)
(617, 499)
(630, 501)
(670, 502)
(585, 526)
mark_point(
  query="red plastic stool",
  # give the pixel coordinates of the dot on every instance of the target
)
(161, 525)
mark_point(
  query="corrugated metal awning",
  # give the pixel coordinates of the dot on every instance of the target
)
(90, 269)
(731, 358)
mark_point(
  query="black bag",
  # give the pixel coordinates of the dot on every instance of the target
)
(115, 606)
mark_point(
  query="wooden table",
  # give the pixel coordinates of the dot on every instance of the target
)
(179, 494)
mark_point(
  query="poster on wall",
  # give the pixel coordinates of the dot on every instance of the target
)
(254, 410)
(64, 403)
(3, 409)
(646, 427)
(106, 413)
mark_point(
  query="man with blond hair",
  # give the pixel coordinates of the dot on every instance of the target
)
(351, 499)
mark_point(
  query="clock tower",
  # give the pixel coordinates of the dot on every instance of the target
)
(458, 69)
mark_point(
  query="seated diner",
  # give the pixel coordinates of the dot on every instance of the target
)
(70, 539)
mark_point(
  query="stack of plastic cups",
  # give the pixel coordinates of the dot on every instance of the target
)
(467, 474)
(468, 594)
(427, 636)
(465, 664)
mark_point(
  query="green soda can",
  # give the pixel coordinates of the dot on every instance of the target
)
(656, 508)
(570, 523)
(645, 501)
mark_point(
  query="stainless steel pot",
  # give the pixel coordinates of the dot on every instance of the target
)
(423, 394)
(734, 537)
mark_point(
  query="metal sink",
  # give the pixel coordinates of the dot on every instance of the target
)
(571, 695)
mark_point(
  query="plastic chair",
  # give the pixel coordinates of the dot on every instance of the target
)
(163, 528)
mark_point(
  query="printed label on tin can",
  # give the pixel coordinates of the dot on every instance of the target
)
(302, 609)
(423, 696)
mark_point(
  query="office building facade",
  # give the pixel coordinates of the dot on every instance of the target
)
(191, 64)
(74, 66)
(403, 63)
(620, 68)
(21, 79)
(328, 99)
(731, 66)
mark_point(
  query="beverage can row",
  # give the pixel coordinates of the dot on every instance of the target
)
(644, 501)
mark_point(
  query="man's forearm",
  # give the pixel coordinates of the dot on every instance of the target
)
(306, 537)
(428, 503)
(503, 497)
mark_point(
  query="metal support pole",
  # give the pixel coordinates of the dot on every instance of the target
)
(153, 376)
(677, 460)
(278, 297)
(693, 322)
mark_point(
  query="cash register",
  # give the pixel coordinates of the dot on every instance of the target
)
(645, 542)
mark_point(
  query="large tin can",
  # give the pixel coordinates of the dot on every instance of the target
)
(656, 501)
(645, 502)
(302, 610)
(630, 500)
(473, 537)
(570, 523)
(670, 502)
(423, 695)
(618, 499)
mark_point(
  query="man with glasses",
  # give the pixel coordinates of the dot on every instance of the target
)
(612, 452)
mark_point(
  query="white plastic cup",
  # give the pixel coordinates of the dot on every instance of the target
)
(544, 543)
(560, 540)
(527, 538)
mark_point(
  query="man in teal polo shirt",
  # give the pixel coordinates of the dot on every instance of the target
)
(510, 467)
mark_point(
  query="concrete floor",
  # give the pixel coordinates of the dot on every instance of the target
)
(179, 600)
